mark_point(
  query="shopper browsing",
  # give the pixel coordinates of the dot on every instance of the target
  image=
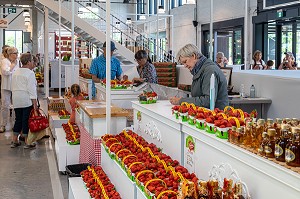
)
(8, 66)
(98, 67)
(24, 97)
(76, 95)
(288, 62)
(257, 63)
(145, 68)
(202, 69)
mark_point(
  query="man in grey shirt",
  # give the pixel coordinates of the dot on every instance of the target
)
(202, 68)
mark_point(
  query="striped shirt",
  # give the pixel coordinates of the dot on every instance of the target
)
(148, 72)
(98, 68)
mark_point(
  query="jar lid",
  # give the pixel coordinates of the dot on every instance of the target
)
(261, 121)
(295, 130)
(285, 127)
(271, 132)
(287, 119)
(278, 120)
(240, 130)
(269, 120)
(233, 128)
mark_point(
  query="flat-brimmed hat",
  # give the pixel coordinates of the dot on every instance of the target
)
(112, 46)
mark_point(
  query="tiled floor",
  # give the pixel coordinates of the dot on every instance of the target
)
(30, 173)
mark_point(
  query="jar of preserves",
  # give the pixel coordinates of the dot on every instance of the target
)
(270, 146)
(295, 122)
(282, 142)
(292, 153)
(259, 131)
(265, 139)
(248, 135)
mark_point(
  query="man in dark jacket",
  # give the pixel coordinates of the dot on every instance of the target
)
(202, 69)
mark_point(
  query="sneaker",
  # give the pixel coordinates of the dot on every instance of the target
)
(29, 146)
(15, 144)
(2, 129)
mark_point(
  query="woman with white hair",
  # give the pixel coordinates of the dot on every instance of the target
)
(220, 60)
(8, 66)
(202, 69)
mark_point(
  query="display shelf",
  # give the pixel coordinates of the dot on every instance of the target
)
(66, 154)
(56, 122)
(118, 176)
(120, 97)
(86, 86)
(265, 179)
(155, 123)
(94, 117)
(140, 194)
(77, 189)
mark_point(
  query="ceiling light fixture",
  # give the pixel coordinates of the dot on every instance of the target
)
(128, 21)
(142, 16)
(161, 10)
(27, 23)
(27, 19)
(26, 13)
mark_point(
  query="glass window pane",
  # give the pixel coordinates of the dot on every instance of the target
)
(298, 44)
(237, 47)
(271, 42)
(286, 39)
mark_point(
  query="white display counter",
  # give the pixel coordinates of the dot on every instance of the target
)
(86, 86)
(120, 97)
(66, 154)
(77, 189)
(56, 122)
(264, 178)
(155, 123)
(92, 115)
(125, 187)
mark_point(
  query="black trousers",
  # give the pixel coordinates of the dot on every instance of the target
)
(21, 122)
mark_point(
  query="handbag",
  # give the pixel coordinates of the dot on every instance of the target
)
(37, 122)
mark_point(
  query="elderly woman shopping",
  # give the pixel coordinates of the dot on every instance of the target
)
(202, 69)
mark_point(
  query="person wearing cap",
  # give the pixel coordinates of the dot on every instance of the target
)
(288, 62)
(8, 66)
(98, 67)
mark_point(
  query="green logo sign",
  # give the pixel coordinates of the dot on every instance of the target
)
(12, 10)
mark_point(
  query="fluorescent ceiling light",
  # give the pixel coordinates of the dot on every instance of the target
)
(26, 13)
(27, 23)
(27, 19)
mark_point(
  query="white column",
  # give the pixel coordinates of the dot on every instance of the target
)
(246, 34)
(46, 56)
(59, 49)
(211, 29)
(73, 42)
(108, 66)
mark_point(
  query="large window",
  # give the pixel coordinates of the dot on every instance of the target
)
(14, 38)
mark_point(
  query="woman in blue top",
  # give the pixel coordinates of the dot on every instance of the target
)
(98, 67)
(145, 68)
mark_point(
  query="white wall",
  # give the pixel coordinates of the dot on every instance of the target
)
(282, 87)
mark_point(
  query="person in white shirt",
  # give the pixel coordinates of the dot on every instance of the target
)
(257, 63)
(2, 56)
(8, 67)
(24, 97)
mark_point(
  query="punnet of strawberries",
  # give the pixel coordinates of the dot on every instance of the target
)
(72, 133)
(90, 176)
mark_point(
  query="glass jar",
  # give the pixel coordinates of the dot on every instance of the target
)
(259, 131)
(292, 153)
(270, 146)
(248, 135)
(282, 142)
(265, 139)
